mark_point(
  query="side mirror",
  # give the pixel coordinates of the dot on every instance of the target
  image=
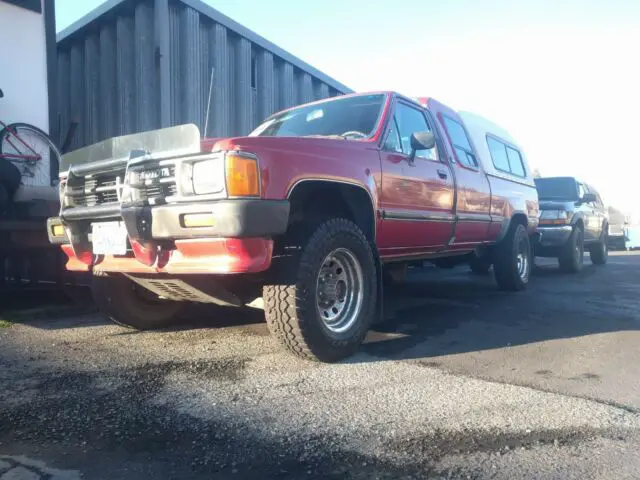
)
(421, 141)
(588, 198)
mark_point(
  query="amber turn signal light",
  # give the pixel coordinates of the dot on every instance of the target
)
(57, 230)
(243, 179)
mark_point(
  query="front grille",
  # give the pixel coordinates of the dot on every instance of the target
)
(102, 188)
(97, 189)
(152, 182)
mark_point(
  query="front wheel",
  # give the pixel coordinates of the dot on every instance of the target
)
(572, 257)
(599, 252)
(513, 259)
(132, 306)
(324, 305)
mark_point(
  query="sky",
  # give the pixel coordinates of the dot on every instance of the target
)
(559, 75)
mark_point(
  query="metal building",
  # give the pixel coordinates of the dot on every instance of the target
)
(136, 65)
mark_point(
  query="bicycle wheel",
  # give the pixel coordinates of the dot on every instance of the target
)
(22, 139)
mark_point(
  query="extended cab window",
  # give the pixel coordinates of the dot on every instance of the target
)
(461, 143)
(505, 158)
(406, 121)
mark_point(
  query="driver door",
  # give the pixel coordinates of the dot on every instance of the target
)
(416, 198)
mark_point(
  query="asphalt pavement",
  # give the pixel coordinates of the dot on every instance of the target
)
(461, 381)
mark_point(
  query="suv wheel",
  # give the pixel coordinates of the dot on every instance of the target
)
(132, 306)
(323, 308)
(513, 259)
(599, 252)
(572, 257)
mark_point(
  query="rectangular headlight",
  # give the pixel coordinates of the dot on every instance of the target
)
(556, 217)
(208, 177)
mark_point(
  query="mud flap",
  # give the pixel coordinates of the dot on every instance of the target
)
(379, 316)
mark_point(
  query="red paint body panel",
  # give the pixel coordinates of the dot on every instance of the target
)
(416, 193)
(429, 206)
(285, 161)
(473, 202)
(215, 255)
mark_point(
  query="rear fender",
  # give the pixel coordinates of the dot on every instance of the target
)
(517, 217)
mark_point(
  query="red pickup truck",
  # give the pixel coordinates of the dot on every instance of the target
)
(310, 212)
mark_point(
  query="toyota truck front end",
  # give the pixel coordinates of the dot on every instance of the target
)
(162, 202)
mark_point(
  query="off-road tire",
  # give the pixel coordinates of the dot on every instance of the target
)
(505, 265)
(118, 298)
(569, 260)
(290, 304)
(599, 252)
(480, 265)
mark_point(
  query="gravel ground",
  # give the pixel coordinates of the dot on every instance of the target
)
(461, 381)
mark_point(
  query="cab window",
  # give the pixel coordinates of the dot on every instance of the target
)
(393, 139)
(406, 121)
(461, 143)
(581, 190)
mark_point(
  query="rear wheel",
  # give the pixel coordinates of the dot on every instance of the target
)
(512, 264)
(572, 257)
(324, 305)
(132, 306)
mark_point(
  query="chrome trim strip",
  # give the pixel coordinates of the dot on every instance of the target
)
(474, 217)
(409, 215)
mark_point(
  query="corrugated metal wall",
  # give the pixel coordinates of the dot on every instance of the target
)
(145, 64)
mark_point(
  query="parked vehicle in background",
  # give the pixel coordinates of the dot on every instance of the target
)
(308, 212)
(572, 218)
(618, 226)
(632, 239)
(616, 237)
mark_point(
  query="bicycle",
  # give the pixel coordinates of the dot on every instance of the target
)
(31, 150)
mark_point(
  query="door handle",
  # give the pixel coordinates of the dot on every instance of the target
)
(442, 173)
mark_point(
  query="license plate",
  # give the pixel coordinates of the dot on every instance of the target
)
(109, 238)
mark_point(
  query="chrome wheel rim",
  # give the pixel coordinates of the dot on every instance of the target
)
(522, 261)
(339, 292)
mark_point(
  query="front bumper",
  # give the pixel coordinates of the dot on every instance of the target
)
(551, 239)
(238, 238)
(554, 236)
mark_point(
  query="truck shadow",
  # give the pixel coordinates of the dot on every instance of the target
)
(437, 314)
(49, 307)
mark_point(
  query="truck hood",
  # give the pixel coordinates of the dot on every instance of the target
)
(288, 144)
(186, 140)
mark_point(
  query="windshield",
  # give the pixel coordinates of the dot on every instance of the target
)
(353, 117)
(557, 188)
